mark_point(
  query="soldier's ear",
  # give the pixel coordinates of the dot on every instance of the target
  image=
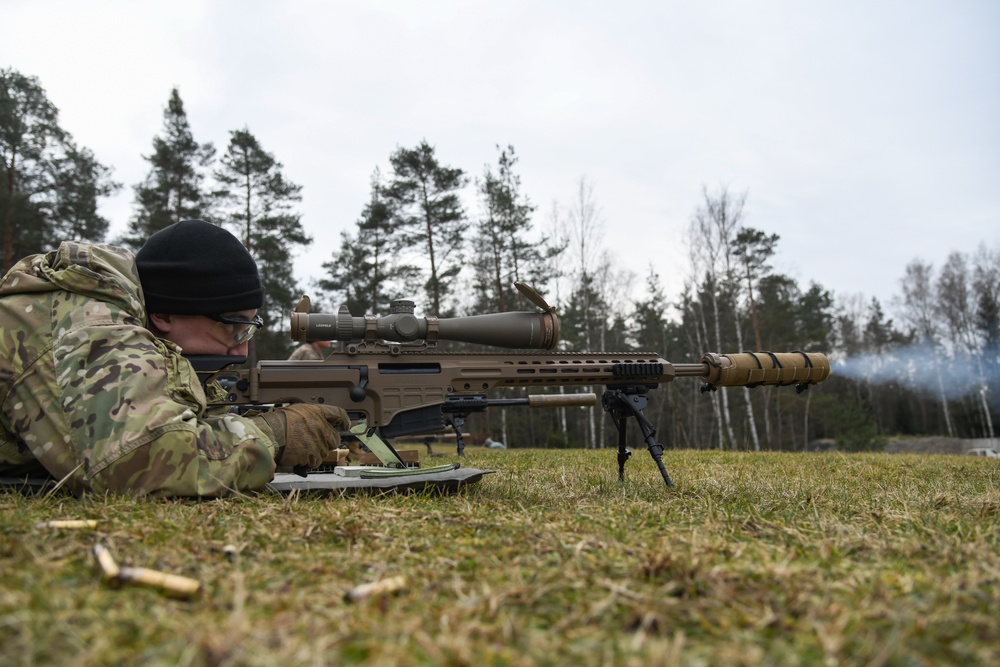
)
(160, 322)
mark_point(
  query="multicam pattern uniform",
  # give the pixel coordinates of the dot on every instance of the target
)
(307, 352)
(87, 391)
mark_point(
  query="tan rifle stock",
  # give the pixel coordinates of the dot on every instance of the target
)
(413, 393)
(383, 386)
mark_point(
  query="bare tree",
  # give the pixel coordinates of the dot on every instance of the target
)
(712, 235)
(986, 285)
(956, 303)
(585, 229)
(558, 233)
(847, 329)
(919, 312)
(753, 248)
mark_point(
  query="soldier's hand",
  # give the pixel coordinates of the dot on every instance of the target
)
(305, 432)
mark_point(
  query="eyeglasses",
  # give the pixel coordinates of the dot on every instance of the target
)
(241, 330)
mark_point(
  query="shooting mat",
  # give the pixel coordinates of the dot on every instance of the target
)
(318, 483)
(325, 483)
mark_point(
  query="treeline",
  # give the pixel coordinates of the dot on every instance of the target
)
(415, 236)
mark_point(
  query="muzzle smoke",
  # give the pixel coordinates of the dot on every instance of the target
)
(917, 367)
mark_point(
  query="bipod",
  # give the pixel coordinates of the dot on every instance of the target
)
(626, 402)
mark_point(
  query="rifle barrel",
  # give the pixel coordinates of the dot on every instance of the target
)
(561, 400)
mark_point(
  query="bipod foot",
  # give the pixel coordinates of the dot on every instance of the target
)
(624, 454)
(656, 451)
(457, 423)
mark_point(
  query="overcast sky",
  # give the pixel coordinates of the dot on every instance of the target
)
(865, 133)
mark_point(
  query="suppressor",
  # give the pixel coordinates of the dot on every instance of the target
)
(752, 369)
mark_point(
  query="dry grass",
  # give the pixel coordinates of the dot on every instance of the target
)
(755, 559)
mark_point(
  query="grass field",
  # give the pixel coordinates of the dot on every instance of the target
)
(754, 559)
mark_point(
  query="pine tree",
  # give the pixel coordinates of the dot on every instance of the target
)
(50, 187)
(174, 188)
(430, 218)
(505, 250)
(256, 201)
(752, 249)
(815, 319)
(79, 180)
(649, 333)
(366, 272)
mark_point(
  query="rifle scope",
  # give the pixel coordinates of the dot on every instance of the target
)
(517, 330)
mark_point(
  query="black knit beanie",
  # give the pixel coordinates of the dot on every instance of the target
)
(194, 267)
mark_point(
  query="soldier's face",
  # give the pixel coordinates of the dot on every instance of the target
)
(197, 334)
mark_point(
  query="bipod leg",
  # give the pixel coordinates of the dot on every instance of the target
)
(655, 448)
(614, 401)
(457, 422)
(624, 453)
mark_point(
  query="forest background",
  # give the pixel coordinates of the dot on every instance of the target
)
(455, 242)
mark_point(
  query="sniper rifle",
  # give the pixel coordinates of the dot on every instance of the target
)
(393, 383)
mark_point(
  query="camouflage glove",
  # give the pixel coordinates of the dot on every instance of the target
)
(305, 432)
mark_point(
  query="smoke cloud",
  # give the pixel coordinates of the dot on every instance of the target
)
(918, 367)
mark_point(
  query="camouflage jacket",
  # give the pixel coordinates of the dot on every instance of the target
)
(88, 392)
